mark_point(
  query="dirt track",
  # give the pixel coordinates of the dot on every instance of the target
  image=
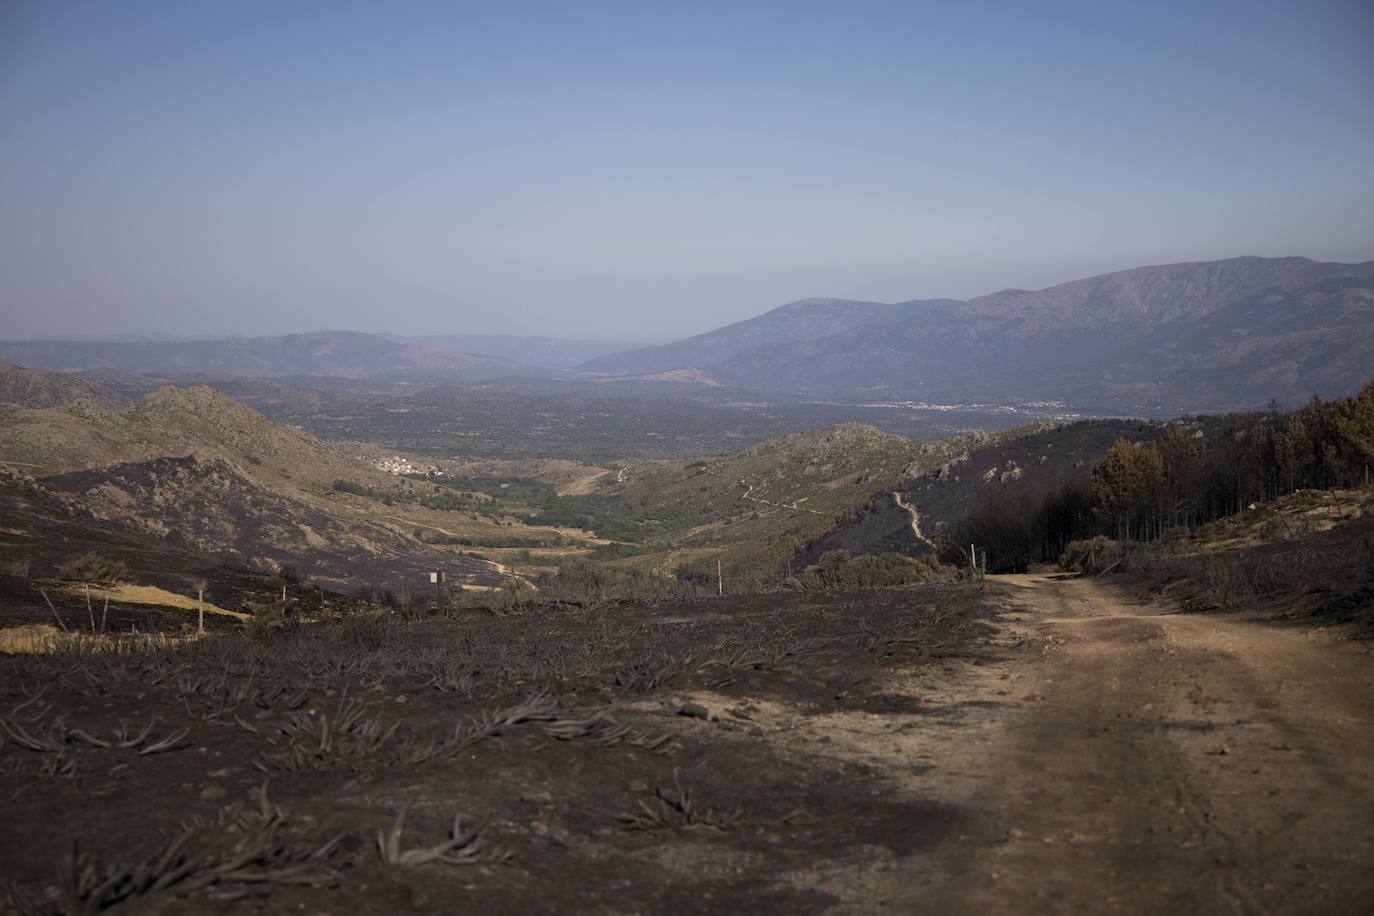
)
(1119, 757)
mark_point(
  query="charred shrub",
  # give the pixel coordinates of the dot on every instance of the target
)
(94, 568)
(1094, 556)
(267, 623)
(15, 569)
(836, 569)
(14, 578)
(365, 632)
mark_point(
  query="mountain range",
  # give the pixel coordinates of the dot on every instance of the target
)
(539, 352)
(330, 354)
(803, 321)
(1200, 336)
(1151, 341)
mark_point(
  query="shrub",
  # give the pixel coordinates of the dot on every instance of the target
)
(587, 583)
(94, 568)
(514, 597)
(1096, 555)
(364, 632)
(269, 622)
(836, 569)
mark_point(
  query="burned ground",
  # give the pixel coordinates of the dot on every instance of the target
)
(621, 760)
(45, 527)
(211, 506)
(1307, 557)
(998, 472)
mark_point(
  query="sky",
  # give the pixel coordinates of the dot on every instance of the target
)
(648, 170)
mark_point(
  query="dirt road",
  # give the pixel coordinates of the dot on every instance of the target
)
(1114, 757)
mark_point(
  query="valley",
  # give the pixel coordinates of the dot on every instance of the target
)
(692, 647)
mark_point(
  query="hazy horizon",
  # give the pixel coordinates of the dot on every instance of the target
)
(625, 172)
(150, 336)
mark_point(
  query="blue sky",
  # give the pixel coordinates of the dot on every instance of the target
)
(647, 170)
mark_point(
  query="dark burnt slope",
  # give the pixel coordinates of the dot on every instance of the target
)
(1034, 463)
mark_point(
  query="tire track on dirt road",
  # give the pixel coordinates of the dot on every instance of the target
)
(1170, 761)
(1115, 756)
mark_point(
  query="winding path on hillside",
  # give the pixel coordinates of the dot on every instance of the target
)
(915, 518)
(1111, 756)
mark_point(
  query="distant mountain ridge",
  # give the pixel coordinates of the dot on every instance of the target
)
(803, 320)
(540, 352)
(1151, 341)
(334, 354)
(1168, 338)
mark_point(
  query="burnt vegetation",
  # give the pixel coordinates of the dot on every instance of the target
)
(381, 750)
(1173, 484)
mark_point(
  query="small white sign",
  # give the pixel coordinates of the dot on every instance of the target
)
(436, 577)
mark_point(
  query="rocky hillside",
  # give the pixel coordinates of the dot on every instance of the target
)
(221, 426)
(44, 528)
(804, 320)
(40, 388)
(333, 354)
(197, 471)
(209, 506)
(174, 421)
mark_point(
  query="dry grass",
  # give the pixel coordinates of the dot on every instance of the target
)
(152, 595)
(35, 637)
(42, 638)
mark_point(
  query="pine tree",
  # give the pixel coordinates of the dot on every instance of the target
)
(1352, 428)
(1124, 483)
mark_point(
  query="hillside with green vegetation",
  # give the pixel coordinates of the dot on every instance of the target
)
(750, 510)
(675, 519)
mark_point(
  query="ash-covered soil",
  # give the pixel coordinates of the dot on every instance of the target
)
(171, 521)
(1002, 471)
(1028, 744)
(693, 758)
